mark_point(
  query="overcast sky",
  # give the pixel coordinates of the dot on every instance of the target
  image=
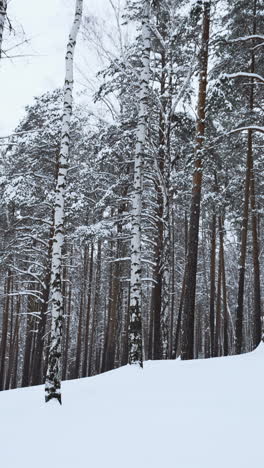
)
(46, 24)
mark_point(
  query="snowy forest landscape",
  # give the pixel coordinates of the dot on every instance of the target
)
(131, 247)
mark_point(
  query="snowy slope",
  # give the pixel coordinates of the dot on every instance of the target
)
(195, 414)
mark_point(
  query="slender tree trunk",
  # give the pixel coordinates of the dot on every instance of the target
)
(3, 8)
(4, 332)
(172, 304)
(111, 335)
(53, 376)
(198, 332)
(12, 349)
(243, 250)
(16, 350)
(224, 288)
(103, 330)
(254, 220)
(37, 374)
(9, 352)
(68, 325)
(179, 319)
(164, 170)
(88, 315)
(212, 283)
(155, 351)
(135, 331)
(177, 342)
(217, 337)
(93, 342)
(249, 186)
(165, 271)
(84, 275)
(187, 346)
(243, 247)
(28, 343)
(124, 337)
(79, 340)
(151, 324)
(256, 266)
(33, 345)
(161, 292)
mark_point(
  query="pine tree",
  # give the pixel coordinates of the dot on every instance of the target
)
(187, 351)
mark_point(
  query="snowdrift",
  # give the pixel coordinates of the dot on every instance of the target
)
(192, 414)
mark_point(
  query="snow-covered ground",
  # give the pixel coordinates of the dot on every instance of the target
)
(195, 414)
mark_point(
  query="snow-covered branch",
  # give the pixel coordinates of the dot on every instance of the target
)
(244, 74)
(247, 38)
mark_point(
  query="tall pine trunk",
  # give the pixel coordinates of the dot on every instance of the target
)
(254, 221)
(135, 317)
(212, 284)
(187, 342)
(53, 376)
(245, 221)
(256, 266)
(243, 251)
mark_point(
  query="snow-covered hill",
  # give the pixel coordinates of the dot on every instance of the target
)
(195, 414)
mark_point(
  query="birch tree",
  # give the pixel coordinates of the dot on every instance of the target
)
(3, 8)
(135, 318)
(53, 376)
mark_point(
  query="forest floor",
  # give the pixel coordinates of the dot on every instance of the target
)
(192, 414)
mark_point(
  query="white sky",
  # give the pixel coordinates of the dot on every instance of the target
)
(47, 24)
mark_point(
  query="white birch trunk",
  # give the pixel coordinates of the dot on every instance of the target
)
(135, 320)
(3, 8)
(53, 376)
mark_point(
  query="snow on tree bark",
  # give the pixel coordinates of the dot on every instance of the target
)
(165, 263)
(163, 168)
(53, 376)
(3, 8)
(135, 319)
